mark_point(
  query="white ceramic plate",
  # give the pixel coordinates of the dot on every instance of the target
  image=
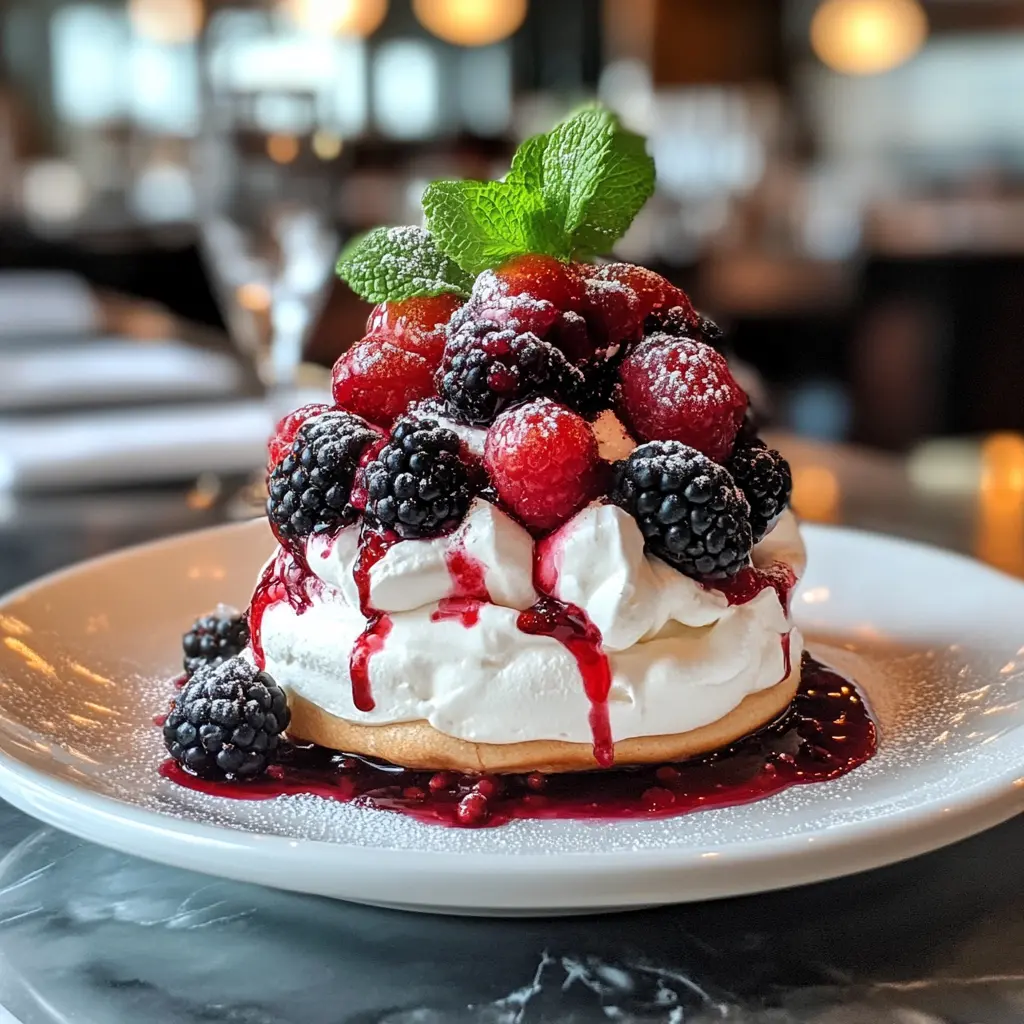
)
(936, 641)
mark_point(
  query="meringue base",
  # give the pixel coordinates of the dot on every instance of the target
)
(420, 745)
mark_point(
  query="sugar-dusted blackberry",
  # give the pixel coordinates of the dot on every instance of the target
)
(487, 367)
(214, 638)
(310, 488)
(227, 721)
(685, 322)
(764, 477)
(689, 509)
(418, 485)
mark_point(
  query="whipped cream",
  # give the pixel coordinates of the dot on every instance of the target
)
(680, 655)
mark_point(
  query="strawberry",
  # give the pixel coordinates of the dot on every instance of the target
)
(378, 380)
(414, 325)
(542, 278)
(677, 389)
(543, 461)
(653, 291)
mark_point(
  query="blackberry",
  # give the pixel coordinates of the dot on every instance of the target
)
(227, 721)
(764, 477)
(418, 484)
(214, 638)
(310, 488)
(680, 323)
(487, 367)
(691, 512)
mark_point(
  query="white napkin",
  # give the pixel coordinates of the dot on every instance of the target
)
(39, 302)
(132, 446)
(108, 370)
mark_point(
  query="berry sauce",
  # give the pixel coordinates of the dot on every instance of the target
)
(286, 578)
(825, 733)
(750, 581)
(571, 627)
(373, 546)
(467, 573)
(462, 609)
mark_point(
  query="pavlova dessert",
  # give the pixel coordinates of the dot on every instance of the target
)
(536, 531)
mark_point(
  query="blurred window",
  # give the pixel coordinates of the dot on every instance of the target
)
(407, 89)
(90, 46)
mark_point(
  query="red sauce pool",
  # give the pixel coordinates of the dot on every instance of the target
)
(826, 732)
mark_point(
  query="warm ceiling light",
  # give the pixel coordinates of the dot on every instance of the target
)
(470, 22)
(166, 21)
(865, 37)
(338, 17)
(282, 149)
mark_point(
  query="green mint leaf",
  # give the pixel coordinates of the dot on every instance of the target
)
(528, 164)
(481, 224)
(392, 264)
(593, 175)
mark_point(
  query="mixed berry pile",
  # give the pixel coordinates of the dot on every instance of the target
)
(536, 353)
(489, 320)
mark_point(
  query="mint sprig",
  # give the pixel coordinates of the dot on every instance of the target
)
(393, 264)
(571, 193)
(481, 224)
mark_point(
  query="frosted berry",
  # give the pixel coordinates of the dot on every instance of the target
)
(214, 638)
(493, 300)
(286, 430)
(310, 488)
(679, 389)
(542, 277)
(415, 325)
(487, 367)
(612, 312)
(653, 292)
(543, 461)
(378, 380)
(764, 477)
(227, 722)
(418, 485)
(688, 508)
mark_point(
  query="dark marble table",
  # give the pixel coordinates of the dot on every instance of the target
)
(88, 936)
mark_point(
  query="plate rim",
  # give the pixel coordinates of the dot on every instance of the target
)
(785, 860)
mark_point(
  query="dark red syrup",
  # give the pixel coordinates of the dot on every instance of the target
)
(571, 627)
(461, 609)
(825, 733)
(467, 573)
(286, 578)
(750, 581)
(373, 546)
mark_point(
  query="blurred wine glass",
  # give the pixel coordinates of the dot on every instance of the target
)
(267, 175)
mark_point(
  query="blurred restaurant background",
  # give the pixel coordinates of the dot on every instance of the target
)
(840, 186)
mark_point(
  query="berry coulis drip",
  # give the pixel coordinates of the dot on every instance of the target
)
(373, 546)
(571, 627)
(469, 587)
(286, 578)
(826, 732)
(750, 581)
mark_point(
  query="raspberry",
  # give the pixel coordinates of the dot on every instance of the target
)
(310, 488)
(486, 368)
(612, 312)
(287, 428)
(653, 292)
(689, 509)
(418, 485)
(215, 638)
(227, 721)
(493, 301)
(764, 477)
(378, 380)
(415, 325)
(543, 462)
(681, 390)
(542, 278)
